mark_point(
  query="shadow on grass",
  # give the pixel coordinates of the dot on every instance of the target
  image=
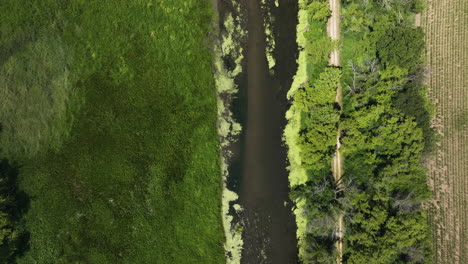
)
(15, 206)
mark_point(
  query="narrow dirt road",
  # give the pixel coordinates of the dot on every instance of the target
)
(333, 30)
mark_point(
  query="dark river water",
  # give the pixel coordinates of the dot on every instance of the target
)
(258, 169)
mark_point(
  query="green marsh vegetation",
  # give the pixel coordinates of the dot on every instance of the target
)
(385, 135)
(108, 109)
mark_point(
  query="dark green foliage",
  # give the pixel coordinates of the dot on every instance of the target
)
(12, 205)
(401, 46)
(381, 234)
(135, 177)
(321, 207)
(317, 103)
(412, 100)
(319, 44)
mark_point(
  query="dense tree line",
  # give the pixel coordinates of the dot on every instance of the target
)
(383, 142)
(316, 199)
(386, 131)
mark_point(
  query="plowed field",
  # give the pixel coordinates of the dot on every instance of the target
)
(446, 26)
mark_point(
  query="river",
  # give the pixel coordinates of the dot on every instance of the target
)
(258, 169)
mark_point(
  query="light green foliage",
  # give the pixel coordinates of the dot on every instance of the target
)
(228, 128)
(355, 19)
(138, 178)
(35, 93)
(319, 11)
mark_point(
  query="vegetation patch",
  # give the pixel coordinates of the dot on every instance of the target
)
(311, 135)
(268, 20)
(116, 136)
(228, 129)
(383, 138)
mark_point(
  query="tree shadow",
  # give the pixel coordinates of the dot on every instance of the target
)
(413, 102)
(15, 206)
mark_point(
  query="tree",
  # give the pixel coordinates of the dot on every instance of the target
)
(319, 11)
(355, 19)
(401, 46)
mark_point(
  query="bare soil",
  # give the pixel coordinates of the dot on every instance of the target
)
(445, 23)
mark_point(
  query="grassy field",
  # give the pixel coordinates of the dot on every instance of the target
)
(117, 129)
(446, 23)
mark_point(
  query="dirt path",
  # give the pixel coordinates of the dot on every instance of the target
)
(333, 30)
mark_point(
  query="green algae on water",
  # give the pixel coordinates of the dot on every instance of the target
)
(228, 128)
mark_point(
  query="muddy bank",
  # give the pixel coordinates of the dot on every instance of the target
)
(258, 166)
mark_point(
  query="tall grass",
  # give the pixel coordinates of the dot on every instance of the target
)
(35, 90)
(137, 180)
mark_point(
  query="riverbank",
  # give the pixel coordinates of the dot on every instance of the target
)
(311, 135)
(227, 48)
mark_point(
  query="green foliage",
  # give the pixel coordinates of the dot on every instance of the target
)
(315, 140)
(137, 179)
(377, 235)
(355, 19)
(418, 6)
(318, 48)
(384, 141)
(320, 208)
(319, 11)
(412, 100)
(401, 46)
(317, 103)
(385, 129)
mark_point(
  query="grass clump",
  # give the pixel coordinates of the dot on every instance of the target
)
(36, 90)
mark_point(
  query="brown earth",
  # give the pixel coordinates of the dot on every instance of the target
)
(446, 25)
